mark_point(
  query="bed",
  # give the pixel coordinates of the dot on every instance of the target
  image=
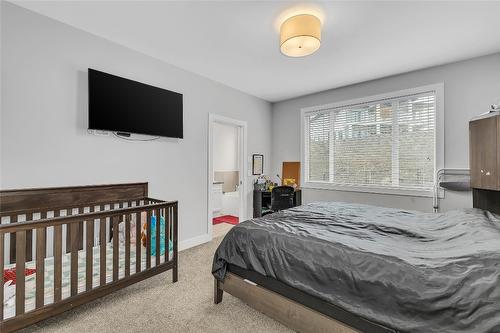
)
(338, 267)
(345, 268)
(63, 247)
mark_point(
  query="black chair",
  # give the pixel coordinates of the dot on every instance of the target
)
(281, 198)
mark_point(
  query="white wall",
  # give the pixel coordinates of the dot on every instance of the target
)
(44, 139)
(469, 88)
(225, 147)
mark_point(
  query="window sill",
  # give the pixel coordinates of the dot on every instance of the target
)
(367, 189)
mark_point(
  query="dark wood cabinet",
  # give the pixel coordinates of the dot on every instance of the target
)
(484, 147)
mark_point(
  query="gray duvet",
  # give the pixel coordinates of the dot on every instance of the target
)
(407, 270)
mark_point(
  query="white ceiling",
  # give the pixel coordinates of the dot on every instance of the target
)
(236, 43)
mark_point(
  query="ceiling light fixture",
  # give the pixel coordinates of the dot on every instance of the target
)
(300, 35)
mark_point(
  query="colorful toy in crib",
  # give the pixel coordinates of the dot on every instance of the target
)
(153, 236)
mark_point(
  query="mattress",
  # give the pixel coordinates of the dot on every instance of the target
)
(30, 280)
(405, 270)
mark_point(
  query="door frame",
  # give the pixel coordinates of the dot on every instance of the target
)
(242, 161)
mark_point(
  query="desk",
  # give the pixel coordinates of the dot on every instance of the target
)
(263, 199)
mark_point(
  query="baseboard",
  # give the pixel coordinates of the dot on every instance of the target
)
(195, 241)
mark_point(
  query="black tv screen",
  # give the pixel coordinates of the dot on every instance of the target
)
(122, 105)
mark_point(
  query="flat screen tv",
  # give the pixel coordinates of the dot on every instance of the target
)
(122, 105)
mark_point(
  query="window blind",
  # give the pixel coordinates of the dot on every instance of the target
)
(385, 143)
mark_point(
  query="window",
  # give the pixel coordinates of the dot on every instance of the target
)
(388, 142)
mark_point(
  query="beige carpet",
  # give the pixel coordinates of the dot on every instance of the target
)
(157, 305)
(219, 230)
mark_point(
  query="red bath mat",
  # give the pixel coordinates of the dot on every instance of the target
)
(226, 219)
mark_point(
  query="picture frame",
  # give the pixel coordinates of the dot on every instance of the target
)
(257, 164)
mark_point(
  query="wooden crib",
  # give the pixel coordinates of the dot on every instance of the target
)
(70, 237)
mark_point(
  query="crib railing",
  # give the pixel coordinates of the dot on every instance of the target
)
(35, 235)
(31, 215)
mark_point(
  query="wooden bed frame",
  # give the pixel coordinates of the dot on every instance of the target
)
(28, 229)
(292, 314)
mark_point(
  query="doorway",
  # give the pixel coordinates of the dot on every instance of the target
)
(227, 168)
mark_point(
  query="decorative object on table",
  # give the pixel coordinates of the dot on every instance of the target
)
(270, 185)
(257, 164)
(260, 183)
(290, 182)
(264, 183)
(262, 179)
(259, 187)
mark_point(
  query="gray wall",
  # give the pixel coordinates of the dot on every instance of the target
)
(469, 88)
(44, 139)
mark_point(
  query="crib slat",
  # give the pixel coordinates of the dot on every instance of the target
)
(57, 262)
(69, 212)
(111, 207)
(102, 248)
(89, 255)
(138, 240)
(43, 215)
(168, 222)
(101, 208)
(158, 218)
(116, 248)
(74, 231)
(29, 239)
(20, 264)
(12, 252)
(127, 244)
(41, 243)
(148, 240)
(80, 234)
(2, 237)
(175, 221)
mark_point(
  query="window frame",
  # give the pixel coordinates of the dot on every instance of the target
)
(438, 88)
